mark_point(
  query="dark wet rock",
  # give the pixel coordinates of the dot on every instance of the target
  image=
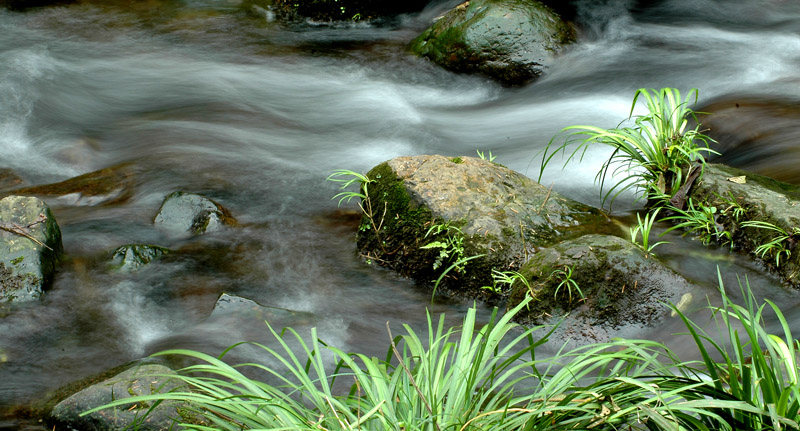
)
(139, 380)
(502, 214)
(512, 41)
(183, 214)
(131, 257)
(112, 185)
(232, 306)
(760, 199)
(621, 285)
(30, 246)
(344, 10)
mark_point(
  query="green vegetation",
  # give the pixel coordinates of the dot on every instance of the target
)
(644, 227)
(483, 156)
(503, 280)
(656, 155)
(346, 178)
(490, 377)
(780, 245)
(450, 245)
(700, 219)
(564, 278)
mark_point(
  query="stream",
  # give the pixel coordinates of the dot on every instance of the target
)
(202, 97)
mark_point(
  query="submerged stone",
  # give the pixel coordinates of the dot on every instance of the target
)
(740, 197)
(512, 41)
(139, 380)
(232, 306)
(499, 214)
(112, 185)
(30, 246)
(185, 214)
(133, 256)
(601, 280)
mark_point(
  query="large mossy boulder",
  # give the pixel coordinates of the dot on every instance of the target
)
(512, 41)
(186, 214)
(600, 280)
(489, 209)
(740, 197)
(139, 380)
(30, 246)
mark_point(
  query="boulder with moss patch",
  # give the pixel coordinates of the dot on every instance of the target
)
(481, 207)
(740, 197)
(185, 214)
(145, 379)
(512, 41)
(602, 281)
(30, 246)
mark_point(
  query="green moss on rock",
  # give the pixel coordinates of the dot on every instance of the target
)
(760, 199)
(620, 284)
(502, 215)
(509, 40)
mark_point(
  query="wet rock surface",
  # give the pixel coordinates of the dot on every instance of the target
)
(501, 214)
(232, 306)
(186, 214)
(139, 380)
(112, 185)
(30, 246)
(512, 41)
(760, 199)
(602, 281)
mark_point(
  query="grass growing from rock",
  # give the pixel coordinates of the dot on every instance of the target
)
(475, 377)
(655, 156)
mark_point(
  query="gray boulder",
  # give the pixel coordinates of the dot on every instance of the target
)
(760, 199)
(185, 214)
(139, 380)
(602, 281)
(512, 41)
(30, 246)
(131, 257)
(491, 210)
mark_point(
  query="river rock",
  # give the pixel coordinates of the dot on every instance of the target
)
(131, 257)
(228, 306)
(512, 41)
(501, 214)
(760, 199)
(112, 185)
(139, 380)
(30, 246)
(185, 214)
(620, 283)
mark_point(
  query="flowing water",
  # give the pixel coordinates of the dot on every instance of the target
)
(202, 97)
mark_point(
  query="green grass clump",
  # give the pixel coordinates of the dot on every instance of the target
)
(655, 155)
(489, 377)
